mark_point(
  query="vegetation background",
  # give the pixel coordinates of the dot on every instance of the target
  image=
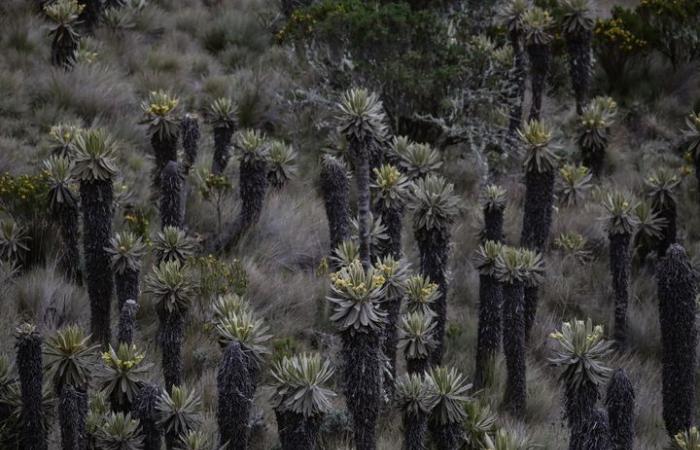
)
(205, 49)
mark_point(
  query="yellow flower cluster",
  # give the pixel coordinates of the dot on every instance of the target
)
(24, 190)
(661, 7)
(120, 364)
(570, 173)
(614, 31)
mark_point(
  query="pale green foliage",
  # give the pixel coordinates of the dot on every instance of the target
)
(355, 296)
(361, 116)
(227, 305)
(126, 250)
(649, 223)
(421, 294)
(245, 328)
(160, 114)
(172, 244)
(511, 14)
(416, 337)
(377, 231)
(63, 12)
(661, 185)
(119, 432)
(619, 217)
(537, 137)
(282, 162)
(178, 411)
(222, 112)
(123, 371)
(688, 440)
(448, 394)
(346, 253)
(692, 133)
(582, 350)
(197, 440)
(390, 187)
(253, 145)
(573, 245)
(300, 384)
(418, 160)
(413, 394)
(486, 257)
(505, 439)
(537, 23)
(171, 284)
(509, 265)
(577, 16)
(533, 265)
(493, 197)
(63, 137)
(60, 180)
(575, 184)
(13, 241)
(433, 203)
(479, 424)
(395, 273)
(94, 156)
(70, 357)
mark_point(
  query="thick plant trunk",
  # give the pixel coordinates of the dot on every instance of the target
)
(593, 157)
(415, 431)
(620, 267)
(171, 196)
(32, 435)
(189, 133)
(540, 56)
(335, 187)
(537, 221)
(91, 14)
(493, 224)
(417, 365)
(253, 187)
(363, 210)
(579, 49)
(668, 232)
(64, 47)
(363, 385)
(392, 306)
(296, 431)
(677, 290)
(147, 414)
(127, 319)
(594, 433)
(520, 75)
(236, 390)
(580, 404)
(620, 403)
(489, 333)
(515, 394)
(446, 436)
(72, 412)
(222, 149)
(98, 209)
(164, 151)
(127, 286)
(69, 261)
(171, 336)
(391, 218)
(433, 245)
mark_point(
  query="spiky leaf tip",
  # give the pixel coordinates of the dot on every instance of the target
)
(577, 16)
(123, 370)
(64, 12)
(245, 328)
(346, 253)
(172, 286)
(582, 350)
(413, 394)
(511, 14)
(575, 184)
(355, 296)
(94, 156)
(282, 161)
(419, 161)
(537, 24)
(493, 197)
(59, 171)
(537, 137)
(395, 273)
(301, 384)
(661, 186)
(361, 116)
(119, 431)
(486, 257)
(421, 294)
(417, 335)
(222, 113)
(390, 187)
(573, 245)
(14, 241)
(688, 440)
(70, 357)
(160, 114)
(172, 244)
(619, 218)
(433, 203)
(448, 394)
(253, 145)
(179, 410)
(126, 251)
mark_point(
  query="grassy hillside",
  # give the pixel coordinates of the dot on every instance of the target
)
(203, 50)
